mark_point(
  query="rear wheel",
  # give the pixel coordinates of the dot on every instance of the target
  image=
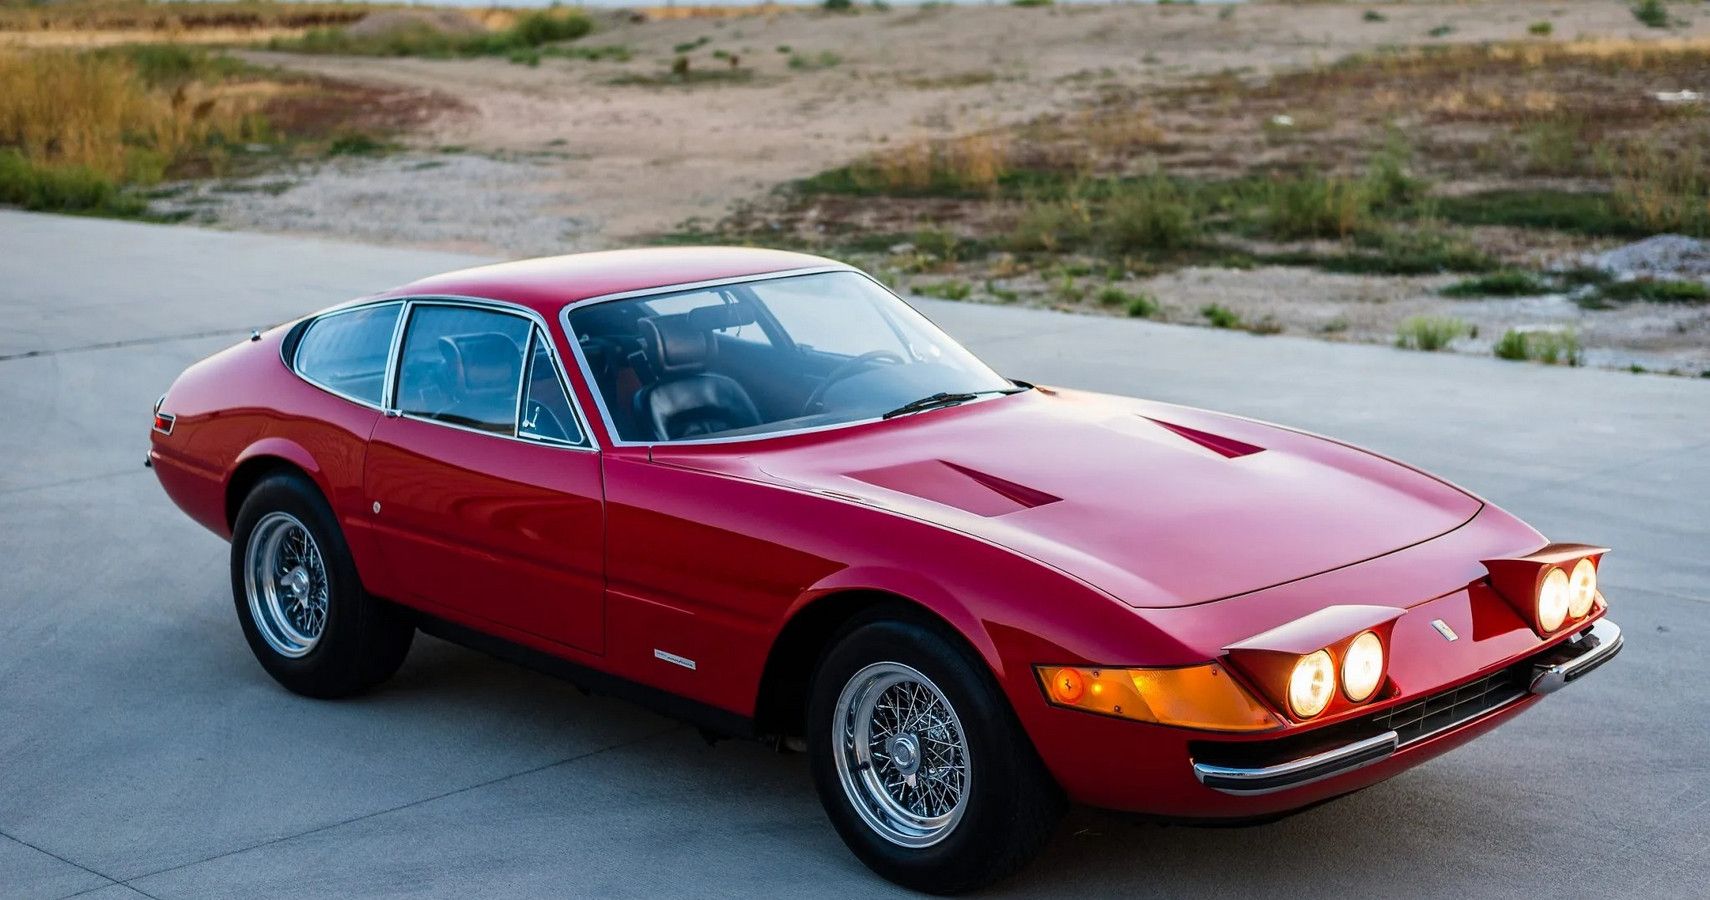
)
(301, 605)
(919, 760)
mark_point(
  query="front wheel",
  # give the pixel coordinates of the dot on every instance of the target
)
(919, 761)
(302, 607)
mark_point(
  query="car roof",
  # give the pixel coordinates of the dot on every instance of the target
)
(549, 283)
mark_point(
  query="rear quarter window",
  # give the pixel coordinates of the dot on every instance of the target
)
(348, 351)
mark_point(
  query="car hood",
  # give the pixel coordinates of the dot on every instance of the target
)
(1159, 505)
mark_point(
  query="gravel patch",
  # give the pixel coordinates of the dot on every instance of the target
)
(1662, 256)
(461, 202)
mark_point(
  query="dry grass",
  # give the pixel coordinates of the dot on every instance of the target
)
(1663, 188)
(96, 111)
(968, 164)
(174, 15)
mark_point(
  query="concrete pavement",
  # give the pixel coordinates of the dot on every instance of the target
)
(143, 750)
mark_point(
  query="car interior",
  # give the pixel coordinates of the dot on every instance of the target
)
(720, 362)
(693, 364)
(347, 351)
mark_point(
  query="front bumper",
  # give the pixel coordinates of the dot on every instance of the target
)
(1354, 746)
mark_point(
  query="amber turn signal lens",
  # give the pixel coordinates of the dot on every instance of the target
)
(1192, 697)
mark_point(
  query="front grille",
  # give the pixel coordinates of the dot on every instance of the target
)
(1437, 712)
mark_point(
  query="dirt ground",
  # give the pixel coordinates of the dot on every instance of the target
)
(576, 154)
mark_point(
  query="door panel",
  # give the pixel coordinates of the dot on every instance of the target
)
(503, 529)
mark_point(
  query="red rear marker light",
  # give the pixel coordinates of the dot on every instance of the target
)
(162, 421)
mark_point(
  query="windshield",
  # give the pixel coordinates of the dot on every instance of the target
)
(765, 356)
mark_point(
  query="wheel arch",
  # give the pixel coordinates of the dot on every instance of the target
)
(785, 681)
(262, 459)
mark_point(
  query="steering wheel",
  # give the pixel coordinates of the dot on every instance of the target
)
(844, 370)
(542, 422)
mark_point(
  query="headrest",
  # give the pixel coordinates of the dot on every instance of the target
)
(724, 315)
(483, 363)
(675, 346)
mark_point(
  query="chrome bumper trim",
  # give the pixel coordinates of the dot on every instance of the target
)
(1553, 671)
(1296, 772)
(1576, 657)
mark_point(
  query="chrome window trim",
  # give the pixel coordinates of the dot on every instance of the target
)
(394, 356)
(385, 382)
(588, 444)
(599, 396)
(535, 334)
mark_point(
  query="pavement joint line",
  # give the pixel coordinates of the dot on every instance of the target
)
(137, 891)
(65, 481)
(128, 882)
(129, 342)
(110, 879)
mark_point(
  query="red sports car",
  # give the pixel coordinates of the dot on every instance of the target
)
(759, 491)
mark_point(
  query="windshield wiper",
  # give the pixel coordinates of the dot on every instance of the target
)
(942, 399)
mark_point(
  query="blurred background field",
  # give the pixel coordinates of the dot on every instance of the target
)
(1524, 179)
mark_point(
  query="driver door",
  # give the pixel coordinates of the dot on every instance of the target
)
(486, 494)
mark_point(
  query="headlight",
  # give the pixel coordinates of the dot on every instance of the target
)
(1362, 667)
(1311, 684)
(1202, 696)
(1553, 599)
(1582, 588)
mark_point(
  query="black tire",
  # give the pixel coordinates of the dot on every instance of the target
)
(1012, 803)
(364, 639)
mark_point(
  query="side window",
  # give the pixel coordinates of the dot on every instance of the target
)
(462, 366)
(348, 351)
(546, 414)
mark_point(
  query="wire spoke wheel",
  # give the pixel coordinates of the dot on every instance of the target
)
(285, 583)
(901, 754)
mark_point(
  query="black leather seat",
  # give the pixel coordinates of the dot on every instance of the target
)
(687, 401)
(482, 372)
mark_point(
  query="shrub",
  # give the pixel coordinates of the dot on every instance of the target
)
(529, 31)
(938, 243)
(1151, 214)
(1656, 291)
(1429, 333)
(1502, 283)
(536, 28)
(1652, 13)
(65, 188)
(1421, 249)
(1138, 305)
(1313, 206)
(1051, 226)
(1220, 316)
(1661, 189)
(946, 290)
(1549, 347)
(1372, 15)
(1541, 29)
(824, 59)
(1141, 306)
(955, 167)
